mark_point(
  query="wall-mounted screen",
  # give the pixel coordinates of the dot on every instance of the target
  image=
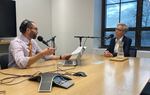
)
(7, 18)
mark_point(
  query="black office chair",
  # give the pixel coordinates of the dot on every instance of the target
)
(4, 61)
(133, 52)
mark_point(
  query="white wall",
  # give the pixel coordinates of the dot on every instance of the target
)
(97, 22)
(38, 11)
(70, 18)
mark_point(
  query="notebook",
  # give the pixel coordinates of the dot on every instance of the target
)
(119, 58)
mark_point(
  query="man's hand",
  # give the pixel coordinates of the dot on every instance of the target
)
(48, 51)
(66, 57)
(107, 54)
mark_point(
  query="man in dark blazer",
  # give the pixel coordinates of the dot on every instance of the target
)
(112, 49)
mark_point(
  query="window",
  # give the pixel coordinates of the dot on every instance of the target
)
(134, 13)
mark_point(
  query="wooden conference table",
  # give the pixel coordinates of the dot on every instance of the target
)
(104, 77)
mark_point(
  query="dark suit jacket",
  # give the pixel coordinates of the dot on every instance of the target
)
(126, 46)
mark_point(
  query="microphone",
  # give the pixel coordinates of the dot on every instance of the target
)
(40, 38)
(109, 37)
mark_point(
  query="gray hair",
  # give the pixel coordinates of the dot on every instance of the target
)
(125, 27)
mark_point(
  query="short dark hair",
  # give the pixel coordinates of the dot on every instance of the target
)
(24, 25)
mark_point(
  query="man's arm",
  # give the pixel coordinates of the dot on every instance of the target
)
(127, 47)
(58, 57)
(20, 55)
(109, 50)
(33, 59)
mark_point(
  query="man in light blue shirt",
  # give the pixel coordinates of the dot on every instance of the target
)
(20, 55)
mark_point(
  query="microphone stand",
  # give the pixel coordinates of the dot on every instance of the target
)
(80, 38)
(53, 42)
(80, 41)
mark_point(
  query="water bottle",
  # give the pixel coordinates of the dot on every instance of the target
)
(120, 50)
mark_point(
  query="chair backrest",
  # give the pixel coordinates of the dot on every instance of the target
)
(133, 51)
(4, 61)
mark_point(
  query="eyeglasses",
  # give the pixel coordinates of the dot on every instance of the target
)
(119, 29)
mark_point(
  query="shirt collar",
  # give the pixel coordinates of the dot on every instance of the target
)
(23, 38)
(119, 39)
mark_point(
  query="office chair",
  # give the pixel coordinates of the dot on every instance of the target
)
(133, 52)
(4, 61)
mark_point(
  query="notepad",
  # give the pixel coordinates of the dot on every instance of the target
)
(119, 58)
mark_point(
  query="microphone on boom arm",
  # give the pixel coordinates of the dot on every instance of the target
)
(80, 38)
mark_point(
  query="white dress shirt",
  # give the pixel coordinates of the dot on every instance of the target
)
(19, 51)
(117, 44)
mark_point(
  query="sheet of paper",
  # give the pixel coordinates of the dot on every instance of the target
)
(78, 50)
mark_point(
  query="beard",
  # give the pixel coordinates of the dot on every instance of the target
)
(33, 35)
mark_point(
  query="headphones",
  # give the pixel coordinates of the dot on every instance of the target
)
(24, 25)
